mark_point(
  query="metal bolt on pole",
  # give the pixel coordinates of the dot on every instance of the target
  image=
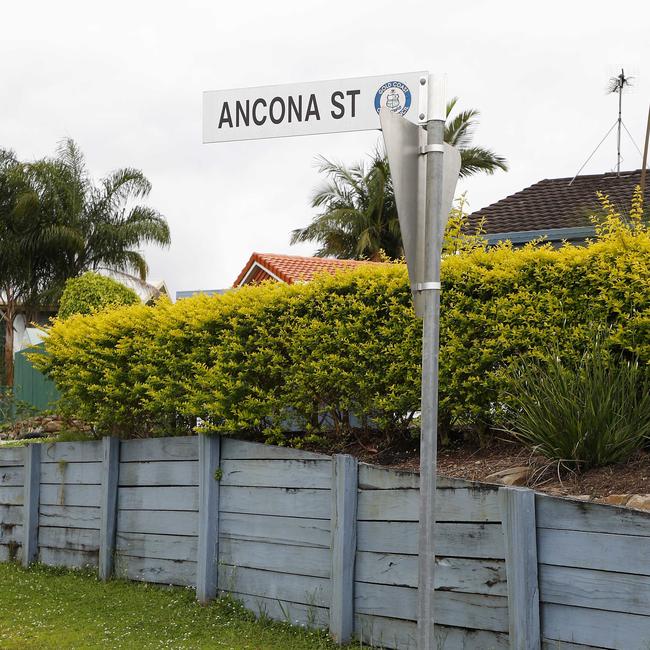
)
(430, 344)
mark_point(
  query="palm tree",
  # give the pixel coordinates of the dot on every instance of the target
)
(358, 218)
(56, 223)
(95, 227)
(358, 215)
(459, 132)
(15, 261)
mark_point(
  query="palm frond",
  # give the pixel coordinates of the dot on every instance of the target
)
(479, 159)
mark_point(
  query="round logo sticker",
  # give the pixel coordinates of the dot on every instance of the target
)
(393, 95)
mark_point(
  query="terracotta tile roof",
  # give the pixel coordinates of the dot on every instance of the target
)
(558, 203)
(290, 268)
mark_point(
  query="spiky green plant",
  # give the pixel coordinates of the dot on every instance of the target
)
(586, 413)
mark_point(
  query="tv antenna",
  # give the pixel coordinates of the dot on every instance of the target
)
(617, 85)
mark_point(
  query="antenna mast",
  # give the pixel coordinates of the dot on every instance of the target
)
(616, 85)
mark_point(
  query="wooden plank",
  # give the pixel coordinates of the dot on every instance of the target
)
(291, 502)
(31, 503)
(452, 574)
(208, 540)
(169, 448)
(548, 644)
(457, 609)
(67, 558)
(595, 627)
(75, 539)
(168, 572)
(244, 450)
(394, 633)
(453, 505)
(71, 473)
(108, 507)
(344, 546)
(179, 472)
(603, 551)
(451, 539)
(11, 534)
(519, 529)
(10, 515)
(302, 560)
(277, 473)
(73, 452)
(12, 496)
(618, 592)
(12, 476)
(157, 522)
(566, 514)
(276, 530)
(159, 498)
(372, 477)
(306, 590)
(294, 613)
(69, 516)
(71, 495)
(11, 456)
(161, 547)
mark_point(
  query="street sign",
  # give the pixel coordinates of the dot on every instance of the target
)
(314, 107)
(404, 147)
(425, 171)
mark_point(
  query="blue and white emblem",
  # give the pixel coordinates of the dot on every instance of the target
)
(395, 96)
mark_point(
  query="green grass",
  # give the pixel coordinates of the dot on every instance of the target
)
(42, 607)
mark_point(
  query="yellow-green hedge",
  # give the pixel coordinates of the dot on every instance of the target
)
(270, 358)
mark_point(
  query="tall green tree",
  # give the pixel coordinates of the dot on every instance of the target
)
(59, 223)
(20, 270)
(358, 214)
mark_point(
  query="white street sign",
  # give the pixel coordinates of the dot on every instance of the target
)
(314, 107)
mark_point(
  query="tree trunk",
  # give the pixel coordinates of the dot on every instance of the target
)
(9, 348)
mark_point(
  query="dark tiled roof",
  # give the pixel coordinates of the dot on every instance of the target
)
(557, 203)
(290, 268)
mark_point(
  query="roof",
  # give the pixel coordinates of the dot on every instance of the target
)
(180, 295)
(146, 291)
(557, 207)
(290, 268)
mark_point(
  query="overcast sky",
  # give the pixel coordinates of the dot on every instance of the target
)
(125, 80)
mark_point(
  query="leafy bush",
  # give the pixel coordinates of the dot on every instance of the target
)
(11, 409)
(265, 359)
(585, 413)
(92, 292)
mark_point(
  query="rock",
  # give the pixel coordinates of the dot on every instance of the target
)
(512, 475)
(581, 497)
(616, 499)
(639, 501)
(53, 426)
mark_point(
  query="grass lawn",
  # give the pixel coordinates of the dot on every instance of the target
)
(42, 607)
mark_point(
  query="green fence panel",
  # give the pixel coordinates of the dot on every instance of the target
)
(30, 385)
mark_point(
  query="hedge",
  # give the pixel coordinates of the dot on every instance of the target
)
(344, 350)
(92, 292)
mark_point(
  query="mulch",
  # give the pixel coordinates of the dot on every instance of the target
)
(471, 462)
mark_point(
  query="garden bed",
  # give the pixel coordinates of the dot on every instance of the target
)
(602, 484)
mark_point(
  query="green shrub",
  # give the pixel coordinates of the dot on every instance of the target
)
(92, 292)
(264, 359)
(585, 413)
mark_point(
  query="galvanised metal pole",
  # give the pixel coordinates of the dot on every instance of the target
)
(430, 342)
